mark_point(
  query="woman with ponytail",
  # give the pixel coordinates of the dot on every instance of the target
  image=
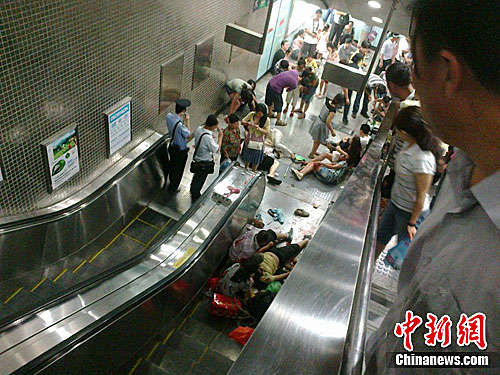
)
(415, 167)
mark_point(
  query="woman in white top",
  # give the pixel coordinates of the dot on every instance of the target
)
(415, 167)
(205, 148)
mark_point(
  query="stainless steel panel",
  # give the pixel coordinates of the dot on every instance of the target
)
(304, 330)
(244, 38)
(24, 342)
(171, 81)
(343, 75)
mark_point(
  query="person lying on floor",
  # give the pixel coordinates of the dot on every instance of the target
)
(253, 240)
(273, 147)
(331, 173)
(272, 258)
(237, 280)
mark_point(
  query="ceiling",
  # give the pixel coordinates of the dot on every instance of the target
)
(359, 9)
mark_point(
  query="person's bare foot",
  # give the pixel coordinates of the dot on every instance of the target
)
(297, 174)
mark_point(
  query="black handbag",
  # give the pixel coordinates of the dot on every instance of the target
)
(203, 166)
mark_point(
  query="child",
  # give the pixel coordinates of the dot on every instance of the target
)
(230, 148)
(311, 63)
(308, 86)
(332, 57)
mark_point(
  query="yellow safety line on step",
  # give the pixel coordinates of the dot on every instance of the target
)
(148, 224)
(157, 233)
(13, 295)
(58, 276)
(39, 283)
(168, 336)
(152, 351)
(116, 237)
(133, 239)
(179, 262)
(79, 266)
(135, 366)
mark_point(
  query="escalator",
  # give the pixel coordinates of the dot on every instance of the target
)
(94, 308)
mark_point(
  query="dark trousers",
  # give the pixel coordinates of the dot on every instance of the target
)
(178, 160)
(286, 253)
(335, 34)
(164, 161)
(357, 102)
(347, 106)
(385, 64)
(197, 184)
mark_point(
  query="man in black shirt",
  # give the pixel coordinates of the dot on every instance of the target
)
(280, 54)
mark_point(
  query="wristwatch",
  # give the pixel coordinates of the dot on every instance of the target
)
(412, 225)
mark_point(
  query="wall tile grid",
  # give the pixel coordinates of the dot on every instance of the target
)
(66, 61)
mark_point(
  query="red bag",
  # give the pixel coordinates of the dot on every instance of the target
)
(225, 306)
(241, 334)
(212, 283)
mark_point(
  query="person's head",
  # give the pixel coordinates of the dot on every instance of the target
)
(212, 122)
(357, 58)
(394, 37)
(348, 41)
(234, 121)
(326, 28)
(456, 71)
(252, 83)
(288, 52)
(354, 151)
(398, 78)
(246, 95)
(355, 43)
(350, 25)
(247, 268)
(318, 14)
(331, 47)
(261, 113)
(300, 33)
(301, 65)
(263, 237)
(365, 47)
(364, 131)
(285, 45)
(412, 128)
(380, 91)
(284, 65)
(338, 100)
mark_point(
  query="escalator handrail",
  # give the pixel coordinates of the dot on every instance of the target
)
(18, 317)
(50, 214)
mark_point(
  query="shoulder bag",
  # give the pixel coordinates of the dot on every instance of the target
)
(171, 144)
(203, 166)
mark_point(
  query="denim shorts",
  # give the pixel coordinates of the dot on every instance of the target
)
(395, 221)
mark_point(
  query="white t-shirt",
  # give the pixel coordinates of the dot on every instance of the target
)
(208, 145)
(335, 156)
(364, 142)
(313, 26)
(387, 49)
(411, 160)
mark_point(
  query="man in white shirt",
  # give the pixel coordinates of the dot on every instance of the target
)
(205, 147)
(388, 53)
(311, 35)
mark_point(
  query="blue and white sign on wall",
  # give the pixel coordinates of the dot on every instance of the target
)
(118, 122)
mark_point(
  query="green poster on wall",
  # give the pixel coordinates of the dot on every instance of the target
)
(259, 4)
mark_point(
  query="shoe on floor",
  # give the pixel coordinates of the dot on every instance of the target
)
(301, 116)
(297, 174)
(300, 212)
(345, 121)
(365, 115)
(353, 115)
(273, 181)
(273, 115)
(281, 123)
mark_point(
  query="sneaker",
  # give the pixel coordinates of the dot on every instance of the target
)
(273, 115)
(353, 115)
(299, 175)
(302, 115)
(281, 123)
(300, 212)
(345, 121)
(365, 115)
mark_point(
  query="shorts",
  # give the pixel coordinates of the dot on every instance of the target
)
(308, 97)
(273, 98)
(286, 253)
(308, 49)
(395, 221)
(266, 163)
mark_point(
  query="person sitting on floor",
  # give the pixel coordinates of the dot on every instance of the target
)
(331, 173)
(237, 280)
(252, 239)
(271, 258)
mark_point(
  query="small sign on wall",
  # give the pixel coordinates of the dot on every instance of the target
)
(61, 157)
(118, 124)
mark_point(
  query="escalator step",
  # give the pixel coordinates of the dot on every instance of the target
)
(154, 217)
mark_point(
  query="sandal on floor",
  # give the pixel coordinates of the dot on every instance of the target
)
(281, 123)
(300, 212)
(301, 116)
